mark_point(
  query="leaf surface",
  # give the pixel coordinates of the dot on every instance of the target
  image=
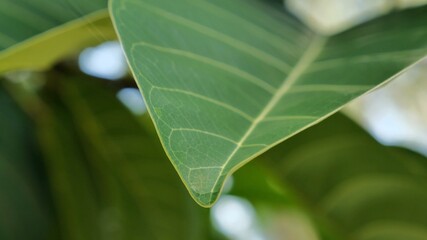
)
(34, 34)
(224, 81)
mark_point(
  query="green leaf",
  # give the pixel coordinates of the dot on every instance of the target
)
(34, 34)
(361, 189)
(107, 169)
(224, 81)
(23, 201)
(70, 180)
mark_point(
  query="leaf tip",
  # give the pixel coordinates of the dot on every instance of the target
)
(206, 200)
(205, 185)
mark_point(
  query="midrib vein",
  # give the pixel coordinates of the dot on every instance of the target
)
(307, 58)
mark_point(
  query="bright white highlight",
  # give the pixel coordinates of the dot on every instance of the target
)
(228, 185)
(104, 61)
(331, 16)
(235, 217)
(132, 99)
(396, 114)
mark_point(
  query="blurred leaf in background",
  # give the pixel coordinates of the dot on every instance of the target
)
(24, 199)
(75, 164)
(350, 186)
(35, 34)
(332, 16)
(108, 176)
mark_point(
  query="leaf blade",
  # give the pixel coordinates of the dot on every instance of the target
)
(190, 90)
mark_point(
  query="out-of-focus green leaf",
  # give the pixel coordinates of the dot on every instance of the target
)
(24, 212)
(224, 81)
(36, 33)
(72, 186)
(363, 190)
(110, 175)
(255, 183)
(281, 213)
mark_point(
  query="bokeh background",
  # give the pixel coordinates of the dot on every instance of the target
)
(395, 115)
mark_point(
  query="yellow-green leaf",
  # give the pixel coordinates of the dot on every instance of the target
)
(34, 34)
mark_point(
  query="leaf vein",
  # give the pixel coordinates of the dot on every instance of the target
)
(367, 58)
(296, 117)
(203, 132)
(307, 58)
(271, 38)
(330, 88)
(208, 99)
(209, 61)
(229, 40)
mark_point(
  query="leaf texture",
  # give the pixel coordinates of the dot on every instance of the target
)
(224, 81)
